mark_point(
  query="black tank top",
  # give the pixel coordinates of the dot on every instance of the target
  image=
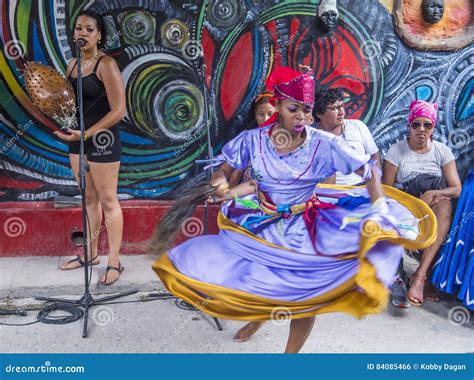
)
(96, 105)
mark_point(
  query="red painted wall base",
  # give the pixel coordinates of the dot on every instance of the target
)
(39, 229)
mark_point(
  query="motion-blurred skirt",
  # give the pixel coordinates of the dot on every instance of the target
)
(240, 275)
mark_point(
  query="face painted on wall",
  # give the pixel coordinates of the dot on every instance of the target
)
(329, 20)
(432, 10)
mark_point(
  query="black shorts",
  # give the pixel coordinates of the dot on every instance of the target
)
(104, 146)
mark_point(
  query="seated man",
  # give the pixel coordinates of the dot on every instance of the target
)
(329, 113)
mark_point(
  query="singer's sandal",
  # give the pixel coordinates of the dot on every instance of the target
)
(80, 263)
(119, 270)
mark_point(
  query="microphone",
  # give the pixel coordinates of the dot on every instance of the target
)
(80, 42)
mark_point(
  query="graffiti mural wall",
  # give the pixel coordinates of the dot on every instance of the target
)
(192, 69)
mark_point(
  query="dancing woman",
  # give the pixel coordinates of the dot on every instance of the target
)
(292, 249)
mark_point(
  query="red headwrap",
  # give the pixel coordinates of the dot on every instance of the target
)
(289, 84)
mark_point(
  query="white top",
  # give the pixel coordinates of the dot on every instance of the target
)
(410, 163)
(358, 136)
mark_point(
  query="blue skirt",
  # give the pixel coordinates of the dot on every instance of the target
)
(453, 272)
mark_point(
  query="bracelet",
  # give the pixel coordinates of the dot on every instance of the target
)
(85, 135)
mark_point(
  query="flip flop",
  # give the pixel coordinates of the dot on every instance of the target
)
(120, 269)
(80, 261)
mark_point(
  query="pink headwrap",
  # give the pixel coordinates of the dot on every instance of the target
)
(420, 108)
(290, 84)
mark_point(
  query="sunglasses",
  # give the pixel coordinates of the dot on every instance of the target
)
(417, 124)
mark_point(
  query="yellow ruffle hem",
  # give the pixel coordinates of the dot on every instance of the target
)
(361, 295)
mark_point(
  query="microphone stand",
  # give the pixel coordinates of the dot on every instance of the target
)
(86, 301)
(210, 154)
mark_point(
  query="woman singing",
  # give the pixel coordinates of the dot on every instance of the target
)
(104, 107)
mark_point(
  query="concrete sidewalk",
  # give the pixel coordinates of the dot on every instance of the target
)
(25, 277)
(160, 326)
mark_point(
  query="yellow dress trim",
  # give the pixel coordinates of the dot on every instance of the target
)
(361, 295)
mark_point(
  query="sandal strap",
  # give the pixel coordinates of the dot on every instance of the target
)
(78, 259)
(95, 257)
(110, 267)
(119, 270)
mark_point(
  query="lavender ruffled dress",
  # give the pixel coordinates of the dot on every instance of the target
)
(341, 263)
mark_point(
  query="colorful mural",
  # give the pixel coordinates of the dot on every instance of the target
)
(193, 68)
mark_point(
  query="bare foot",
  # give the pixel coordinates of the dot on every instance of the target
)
(246, 332)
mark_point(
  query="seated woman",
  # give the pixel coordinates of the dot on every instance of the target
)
(262, 110)
(426, 169)
(240, 181)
